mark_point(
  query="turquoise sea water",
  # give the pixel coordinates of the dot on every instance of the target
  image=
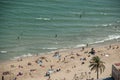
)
(37, 26)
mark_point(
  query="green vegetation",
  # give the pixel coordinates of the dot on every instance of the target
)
(97, 65)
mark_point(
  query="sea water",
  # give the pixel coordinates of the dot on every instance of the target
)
(30, 27)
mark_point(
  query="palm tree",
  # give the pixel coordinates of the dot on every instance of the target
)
(97, 65)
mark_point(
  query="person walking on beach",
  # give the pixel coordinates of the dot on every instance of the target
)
(2, 77)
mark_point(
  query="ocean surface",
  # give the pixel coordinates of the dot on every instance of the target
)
(30, 27)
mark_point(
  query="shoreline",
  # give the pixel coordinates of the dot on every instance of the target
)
(72, 65)
(114, 41)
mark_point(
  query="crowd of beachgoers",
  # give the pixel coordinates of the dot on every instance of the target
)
(68, 64)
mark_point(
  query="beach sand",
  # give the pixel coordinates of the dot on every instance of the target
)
(61, 64)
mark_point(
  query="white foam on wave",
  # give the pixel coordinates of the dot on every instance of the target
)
(3, 52)
(103, 13)
(43, 18)
(22, 56)
(80, 45)
(105, 24)
(27, 55)
(118, 21)
(110, 24)
(99, 41)
(110, 37)
(50, 48)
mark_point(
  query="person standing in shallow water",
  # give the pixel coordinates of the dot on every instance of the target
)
(87, 45)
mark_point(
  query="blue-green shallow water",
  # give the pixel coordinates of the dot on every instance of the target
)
(37, 26)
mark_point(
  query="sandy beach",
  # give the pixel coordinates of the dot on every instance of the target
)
(69, 64)
(57, 39)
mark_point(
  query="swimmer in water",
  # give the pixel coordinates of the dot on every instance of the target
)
(56, 36)
(18, 37)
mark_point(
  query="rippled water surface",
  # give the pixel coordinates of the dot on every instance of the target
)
(37, 26)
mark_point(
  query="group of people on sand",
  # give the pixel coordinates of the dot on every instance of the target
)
(3, 77)
(62, 59)
(113, 47)
(83, 76)
(50, 71)
(92, 51)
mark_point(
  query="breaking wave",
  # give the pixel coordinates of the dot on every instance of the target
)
(22, 56)
(46, 19)
(110, 37)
